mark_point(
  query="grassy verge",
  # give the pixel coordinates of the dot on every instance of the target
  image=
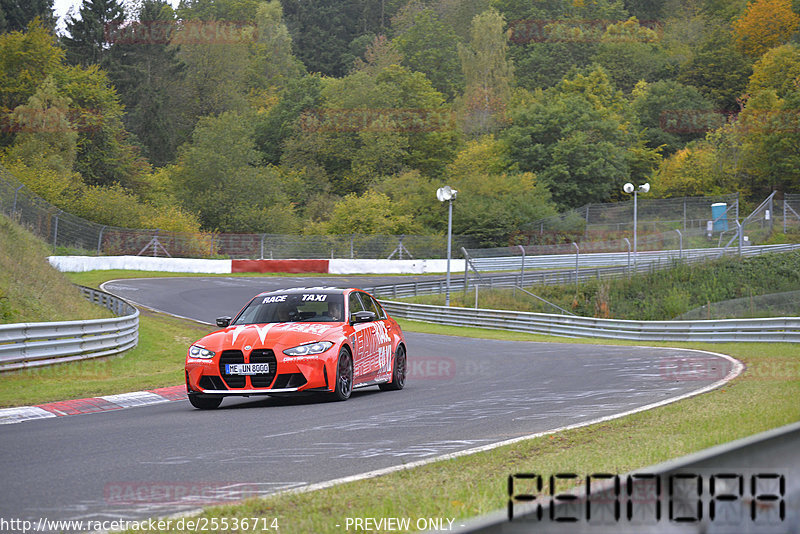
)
(31, 290)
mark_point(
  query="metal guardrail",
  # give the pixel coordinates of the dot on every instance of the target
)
(774, 329)
(26, 345)
(752, 484)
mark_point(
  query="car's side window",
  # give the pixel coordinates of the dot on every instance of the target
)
(354, 303)
(373, 306)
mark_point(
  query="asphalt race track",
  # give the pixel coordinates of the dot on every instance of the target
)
(461, 394)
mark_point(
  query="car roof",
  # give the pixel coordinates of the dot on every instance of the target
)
(318, 289)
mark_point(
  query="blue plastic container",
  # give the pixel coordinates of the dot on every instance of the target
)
(719, 216)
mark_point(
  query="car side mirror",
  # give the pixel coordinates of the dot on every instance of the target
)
(362, 317)
(223, 322)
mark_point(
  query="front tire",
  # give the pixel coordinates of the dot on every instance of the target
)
(344, 376)
(204, 403)
(398, 372)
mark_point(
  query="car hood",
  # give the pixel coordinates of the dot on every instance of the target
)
(267, 335)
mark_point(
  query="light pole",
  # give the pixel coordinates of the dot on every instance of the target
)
(447, 194)
(629, 188)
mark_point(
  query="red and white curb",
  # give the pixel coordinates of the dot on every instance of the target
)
(104, 403)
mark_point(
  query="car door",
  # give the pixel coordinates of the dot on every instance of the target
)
(383, 336)
(370, 340)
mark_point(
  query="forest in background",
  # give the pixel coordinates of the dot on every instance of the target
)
(345, 116)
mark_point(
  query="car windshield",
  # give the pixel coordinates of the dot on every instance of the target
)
(291, 307)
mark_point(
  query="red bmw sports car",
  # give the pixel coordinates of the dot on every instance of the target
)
(298, 340)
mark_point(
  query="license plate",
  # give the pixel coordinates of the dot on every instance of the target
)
(246, 368)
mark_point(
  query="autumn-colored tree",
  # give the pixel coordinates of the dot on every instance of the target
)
(370, 213)
(45, 137)
(26, 59)
(764, 25)
(691, 171)
(778, 70)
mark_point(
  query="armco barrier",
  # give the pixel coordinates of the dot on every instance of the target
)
(775, 329)
(26, 345)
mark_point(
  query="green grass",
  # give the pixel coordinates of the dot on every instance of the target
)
(31, 290)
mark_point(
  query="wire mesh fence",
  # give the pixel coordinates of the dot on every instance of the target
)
(609, 221)
(786, 304)
(64, 231)
(677, 240)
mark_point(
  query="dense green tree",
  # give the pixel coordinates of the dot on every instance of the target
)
(778, 70)
(488, 74)
(429, 46)
(46, 139)
(492, 202)
(548, 39)
(375, 122)
(718, 70)
(579, 140)
(649, 10)
(412, 193)
(323, 30)
(218, 176)
(632, 52)
(26, 59)
(15, 15)
(87, 42)
(767, 128)
(105, 153)
(274, 64)
(370, 213)
(276, 125)
(239, 11)
(148, 76)
(459, 14)
(672, 114)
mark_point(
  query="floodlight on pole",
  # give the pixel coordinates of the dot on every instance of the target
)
(448, 194)
(630, 188)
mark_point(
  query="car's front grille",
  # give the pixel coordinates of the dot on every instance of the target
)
(231, 356)
(263, 380)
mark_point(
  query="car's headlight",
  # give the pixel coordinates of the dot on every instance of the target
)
(309, 348)
(196, 351)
